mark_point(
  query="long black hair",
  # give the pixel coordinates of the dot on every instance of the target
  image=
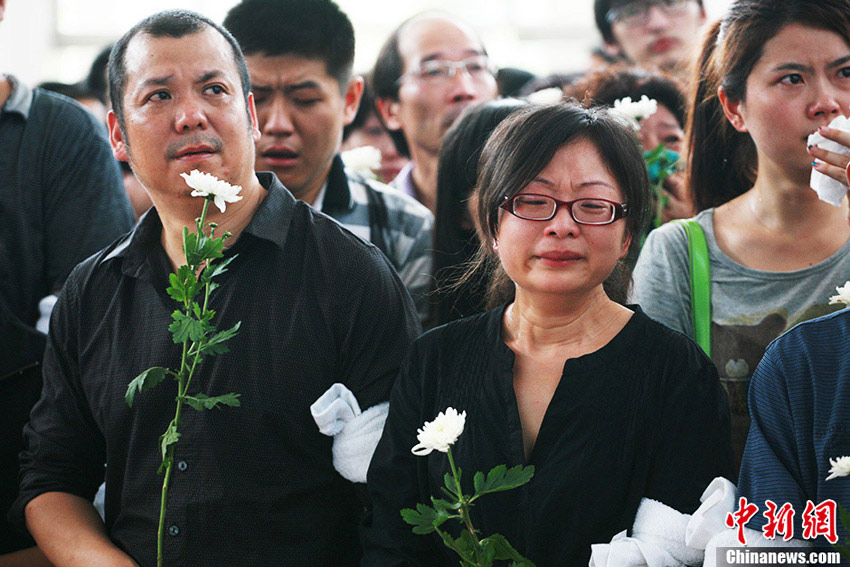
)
(455, 240)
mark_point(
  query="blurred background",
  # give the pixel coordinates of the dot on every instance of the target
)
(56, 40)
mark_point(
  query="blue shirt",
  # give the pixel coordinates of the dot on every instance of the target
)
(800, 409)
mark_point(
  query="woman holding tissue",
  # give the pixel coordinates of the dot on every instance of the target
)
(610, 407)
(770, 74)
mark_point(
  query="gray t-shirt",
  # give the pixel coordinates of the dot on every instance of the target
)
(749, 308)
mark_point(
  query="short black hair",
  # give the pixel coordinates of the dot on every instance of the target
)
(314, 29)
(600, 14)
(168, 23)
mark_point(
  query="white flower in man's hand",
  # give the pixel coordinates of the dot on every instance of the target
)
(843, 295)
(437, 435)
(840, 467)
(211, 187)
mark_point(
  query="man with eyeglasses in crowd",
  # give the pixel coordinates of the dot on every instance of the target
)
(430, 69)
(651, 33)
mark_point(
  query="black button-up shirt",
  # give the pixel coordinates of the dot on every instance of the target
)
(318, 306)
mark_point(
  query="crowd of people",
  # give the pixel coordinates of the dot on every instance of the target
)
(512, 253)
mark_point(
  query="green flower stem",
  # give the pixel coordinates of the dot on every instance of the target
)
(464, 508)
(182, 389)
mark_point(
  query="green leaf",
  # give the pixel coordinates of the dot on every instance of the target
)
(202, 402)
(216, 269)
(450, 484)
(440, 504)
(144, 381)
(186, 328)
(501, 478)
(447, 540)
(164, 465)
(170, 437)
(216, 343)
(184, 285)
(465, 544)
(190, 247)
(210, 248)
(422, 519)
(503, 550)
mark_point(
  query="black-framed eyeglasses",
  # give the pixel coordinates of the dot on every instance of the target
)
(530, 206)
(635, 14)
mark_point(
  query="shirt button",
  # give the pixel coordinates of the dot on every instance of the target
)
(173, 530)
(182, 465)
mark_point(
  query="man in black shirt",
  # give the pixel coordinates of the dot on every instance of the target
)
(254, 485)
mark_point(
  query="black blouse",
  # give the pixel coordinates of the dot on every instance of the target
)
(644, 416)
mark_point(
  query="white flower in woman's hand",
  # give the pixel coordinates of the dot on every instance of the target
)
(211, 187)
(840, 467)
(843, 295)
(437, 435)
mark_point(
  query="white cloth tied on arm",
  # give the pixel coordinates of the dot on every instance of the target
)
(827, 188)
(356, 433)
(664, 537)
(658, 540)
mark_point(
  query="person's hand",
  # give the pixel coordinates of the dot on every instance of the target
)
(679, 204)
(830, 163)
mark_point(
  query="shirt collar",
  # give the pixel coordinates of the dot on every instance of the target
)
(20, 99)
(404, 181)
(270, 222)
(337, 194)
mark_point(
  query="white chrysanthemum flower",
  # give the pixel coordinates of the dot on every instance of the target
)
(843, 295)
(365, 160)
(840, 467)
(437, 435)
(552, 95)
(635, 110)
(211, 187)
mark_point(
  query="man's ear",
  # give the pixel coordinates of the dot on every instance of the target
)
(388, 109)
(353, 94)
(116, 138)
(255, 123)
(732, 110)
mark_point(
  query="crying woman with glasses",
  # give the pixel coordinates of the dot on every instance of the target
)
(616, 412)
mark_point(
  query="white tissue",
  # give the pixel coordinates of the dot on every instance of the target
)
(827, 188)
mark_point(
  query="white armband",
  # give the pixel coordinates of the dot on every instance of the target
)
(356, 433)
